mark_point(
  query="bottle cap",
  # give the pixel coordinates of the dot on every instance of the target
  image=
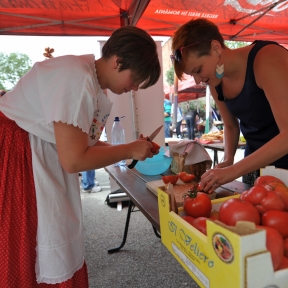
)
(116, 119)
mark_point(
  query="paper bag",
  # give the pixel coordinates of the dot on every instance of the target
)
(190, 157)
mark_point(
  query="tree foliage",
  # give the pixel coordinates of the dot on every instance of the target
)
(2, 87)
(12, 68)
(170, 76)
(236, 44)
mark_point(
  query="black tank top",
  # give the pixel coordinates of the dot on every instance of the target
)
(252, 108)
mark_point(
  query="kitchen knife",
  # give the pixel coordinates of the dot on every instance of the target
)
(150, 138)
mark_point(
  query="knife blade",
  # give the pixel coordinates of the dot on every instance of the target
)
(150, 138)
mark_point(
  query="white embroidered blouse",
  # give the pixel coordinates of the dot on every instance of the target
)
(62, 89)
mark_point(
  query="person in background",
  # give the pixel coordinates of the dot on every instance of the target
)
(167, 117)
(179, 120)
(190, 117)
(50, 125)
(88, 182)
(249, 83)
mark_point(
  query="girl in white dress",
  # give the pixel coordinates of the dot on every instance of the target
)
(50, 124)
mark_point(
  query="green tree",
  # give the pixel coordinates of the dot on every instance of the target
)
(12, 68)
(2, 87)
(170, 76)
(236, 44)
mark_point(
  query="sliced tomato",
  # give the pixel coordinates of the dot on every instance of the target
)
(186, 177)
(170, 179)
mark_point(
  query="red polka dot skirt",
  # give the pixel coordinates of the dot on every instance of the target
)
(18, 213)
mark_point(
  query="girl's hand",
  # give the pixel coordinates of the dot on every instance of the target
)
(141, 149)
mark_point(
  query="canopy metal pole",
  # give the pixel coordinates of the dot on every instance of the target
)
(175, 101)
(134, 114)
(207, 125)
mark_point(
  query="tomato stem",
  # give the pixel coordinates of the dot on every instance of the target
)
(192, 193)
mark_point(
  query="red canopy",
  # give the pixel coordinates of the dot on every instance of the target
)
(187, 90)
(243, 20)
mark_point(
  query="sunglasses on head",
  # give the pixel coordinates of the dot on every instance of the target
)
(177, 55)
(178, 52)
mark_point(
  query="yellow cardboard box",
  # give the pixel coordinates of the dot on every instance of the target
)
(235, 258)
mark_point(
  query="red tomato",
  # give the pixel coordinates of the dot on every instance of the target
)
(197, 204)
(155, 147)
(274, 244)
(262, 199)
(277, 220)
(281, 190)
(286, 247)
(200, 224)
(186, 177)
(170, 179)
(188, 219)
(264, 180)
(234, 210)
(214, 215)
(284, 263)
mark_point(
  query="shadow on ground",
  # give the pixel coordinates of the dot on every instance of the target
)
(143, 262)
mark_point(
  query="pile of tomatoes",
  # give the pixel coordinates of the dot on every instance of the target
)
(265, 204)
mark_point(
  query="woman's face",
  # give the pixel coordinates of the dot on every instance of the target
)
(123, 82)
(203, 69)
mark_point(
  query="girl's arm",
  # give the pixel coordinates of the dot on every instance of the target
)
(75, 155)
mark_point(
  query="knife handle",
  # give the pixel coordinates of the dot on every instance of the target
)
(132, 165)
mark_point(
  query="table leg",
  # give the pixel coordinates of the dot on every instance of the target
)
(156, 232)
(215, 160)
(113, 250)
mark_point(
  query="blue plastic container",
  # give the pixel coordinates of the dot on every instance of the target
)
(156, 165)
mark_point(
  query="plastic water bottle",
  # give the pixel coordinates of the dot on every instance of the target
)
(118, 137)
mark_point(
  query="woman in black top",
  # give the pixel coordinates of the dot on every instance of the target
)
(249, 84)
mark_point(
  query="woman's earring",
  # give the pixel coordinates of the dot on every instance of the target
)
(219, 69)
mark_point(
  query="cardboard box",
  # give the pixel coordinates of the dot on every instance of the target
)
(226, 257)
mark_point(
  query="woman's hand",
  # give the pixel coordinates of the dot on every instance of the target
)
(216, 177)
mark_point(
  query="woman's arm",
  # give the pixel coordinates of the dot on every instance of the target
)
(75, 155)
(270, 69)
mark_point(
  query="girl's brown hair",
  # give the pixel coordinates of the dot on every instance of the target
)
(200, 32)
(136, 51)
